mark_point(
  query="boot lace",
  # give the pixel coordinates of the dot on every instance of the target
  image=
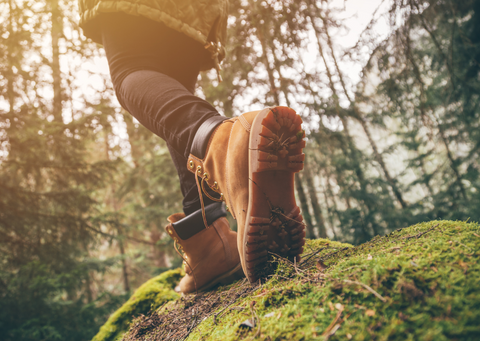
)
(202, 190)
(179, 249)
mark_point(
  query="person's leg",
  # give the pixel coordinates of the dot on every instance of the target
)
(169, 110)
(165, 107)
(154, 70)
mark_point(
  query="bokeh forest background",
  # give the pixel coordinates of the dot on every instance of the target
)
(85, 190)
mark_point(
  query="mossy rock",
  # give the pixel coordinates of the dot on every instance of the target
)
(428, 284)
(417, 283)
(149, 296)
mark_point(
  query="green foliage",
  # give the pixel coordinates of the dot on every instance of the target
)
(148, 297)
(35, 288)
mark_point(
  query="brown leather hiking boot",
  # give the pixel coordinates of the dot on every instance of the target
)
(210, 254)
(250, 161)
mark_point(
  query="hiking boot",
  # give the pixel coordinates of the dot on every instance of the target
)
(250, 161)
(210, 254)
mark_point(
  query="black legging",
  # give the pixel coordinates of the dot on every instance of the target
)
(154, 70)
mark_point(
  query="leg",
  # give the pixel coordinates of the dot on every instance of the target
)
(154, 70)
(168, 109)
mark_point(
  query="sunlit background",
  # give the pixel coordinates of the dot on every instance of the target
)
(389, 94)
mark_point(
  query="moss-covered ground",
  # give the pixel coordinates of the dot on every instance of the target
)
(149, 296)
(417, 283)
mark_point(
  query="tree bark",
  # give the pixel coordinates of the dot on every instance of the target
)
(330, 213)
(9, 75)
(133, 138)
(317, 211)
(56, 33)
(304, 205)
(271, 78)
(126, 284)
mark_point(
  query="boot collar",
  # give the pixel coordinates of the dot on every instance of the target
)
(193, 223)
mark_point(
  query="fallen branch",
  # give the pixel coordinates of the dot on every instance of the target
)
(468, 247)
(420, 234)
(335, 325)
(280, 257)
(315, 253)
(285, 278)
(380, 297)
(295, 265)
(334, 253)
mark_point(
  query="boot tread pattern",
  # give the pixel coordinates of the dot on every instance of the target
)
(279, 230)
(281, 137)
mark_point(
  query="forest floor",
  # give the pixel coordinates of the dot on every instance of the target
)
(417, 283)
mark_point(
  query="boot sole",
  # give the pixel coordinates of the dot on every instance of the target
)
(227, 278)
(273, 221)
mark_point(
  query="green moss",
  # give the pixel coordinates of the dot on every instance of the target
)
(315, 244)
(151, 295)
(429, 286)
(425, 277)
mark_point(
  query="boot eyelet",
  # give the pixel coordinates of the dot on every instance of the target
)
(169, 230)
(215, 185)
(205, 176)
(199, 170)
(226, 207)
(192, 165)
(221, 196)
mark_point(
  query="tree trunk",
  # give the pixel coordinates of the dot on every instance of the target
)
(304, 205)
(9, 75)
(330, 212)
(133, 138)
(56, 33)
(126, 284)
(317, 211)
(329, 191)
(271, 78)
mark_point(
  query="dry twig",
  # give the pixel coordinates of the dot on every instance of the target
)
(315, 253)
(380, 297)
(420, 234)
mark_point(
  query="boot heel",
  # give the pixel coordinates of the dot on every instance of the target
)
(279, 141)
(235, 276)
(226, 278)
